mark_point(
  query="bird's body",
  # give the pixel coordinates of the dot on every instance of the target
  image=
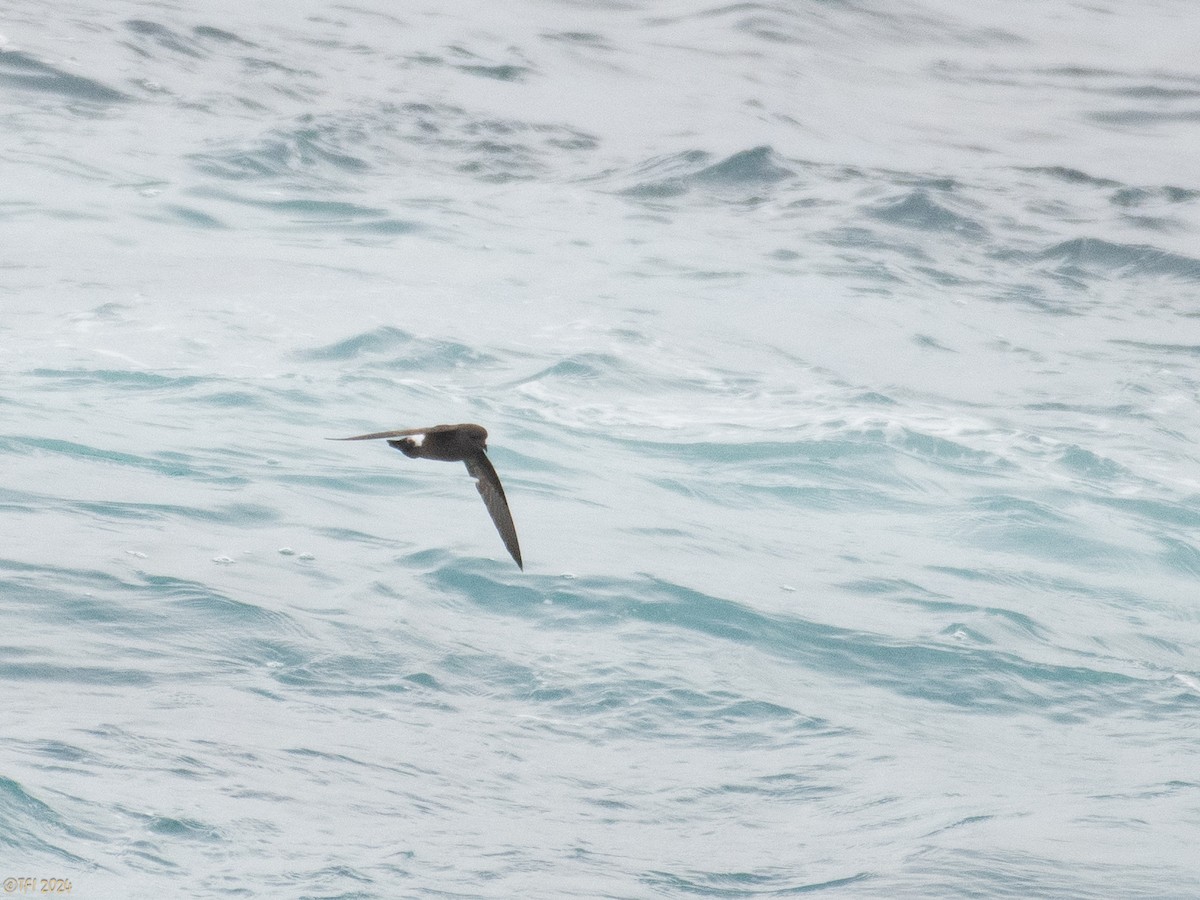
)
(454, 443)
(465, 443)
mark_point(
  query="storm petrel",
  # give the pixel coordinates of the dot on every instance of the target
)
(459, 443)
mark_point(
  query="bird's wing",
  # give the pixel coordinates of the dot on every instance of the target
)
(403, 432)
(488, 483)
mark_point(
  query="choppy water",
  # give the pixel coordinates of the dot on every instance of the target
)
(841, 365)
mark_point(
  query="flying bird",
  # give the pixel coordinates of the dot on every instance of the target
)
(459, 443)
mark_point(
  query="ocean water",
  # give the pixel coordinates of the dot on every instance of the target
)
(841, 362)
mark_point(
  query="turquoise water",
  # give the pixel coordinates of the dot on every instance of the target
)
(840, 364)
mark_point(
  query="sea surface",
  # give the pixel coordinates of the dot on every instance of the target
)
(841, 362)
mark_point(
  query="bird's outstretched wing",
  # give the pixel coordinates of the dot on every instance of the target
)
(403, 432)
(488, 483)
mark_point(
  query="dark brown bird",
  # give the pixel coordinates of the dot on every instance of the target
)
(459, 443)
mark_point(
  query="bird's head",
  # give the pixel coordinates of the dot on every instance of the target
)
(477, 434)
